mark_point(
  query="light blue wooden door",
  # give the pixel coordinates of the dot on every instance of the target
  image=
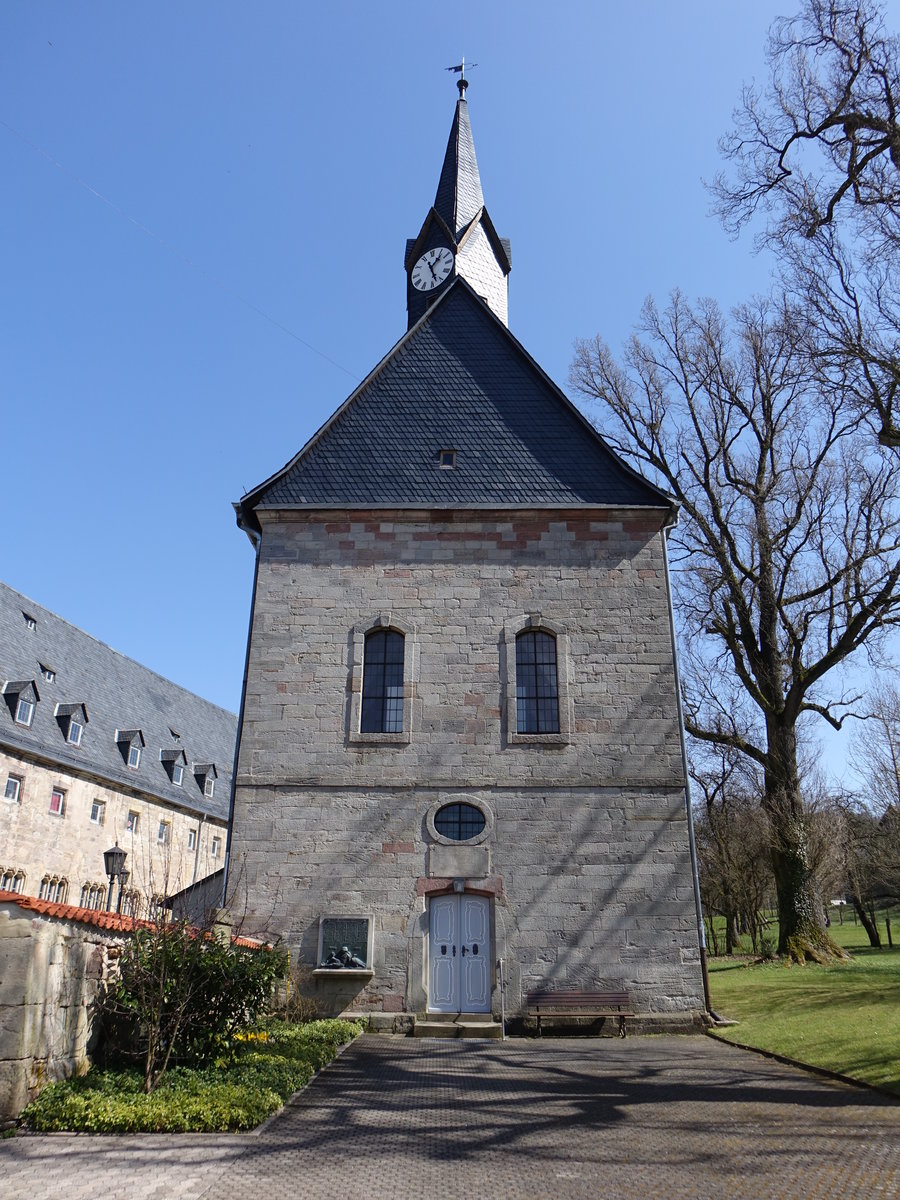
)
(459, 974)
(475, 936)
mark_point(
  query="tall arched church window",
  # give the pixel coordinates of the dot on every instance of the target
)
(382, 690)
(537, 684)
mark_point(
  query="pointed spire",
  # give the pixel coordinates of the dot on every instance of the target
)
(459, 195)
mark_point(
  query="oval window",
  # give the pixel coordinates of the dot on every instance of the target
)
(459, 822)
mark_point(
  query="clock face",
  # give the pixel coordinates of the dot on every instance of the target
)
(432, 268)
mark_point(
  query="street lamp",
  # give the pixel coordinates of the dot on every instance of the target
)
(123, 881)
(114, 864)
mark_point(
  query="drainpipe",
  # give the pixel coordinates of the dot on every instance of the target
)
(256, 539)
(197, 847)
(695, 873)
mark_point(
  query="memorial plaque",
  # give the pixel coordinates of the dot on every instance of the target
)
(345, 943)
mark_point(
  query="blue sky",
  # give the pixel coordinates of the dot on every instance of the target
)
(206, 208)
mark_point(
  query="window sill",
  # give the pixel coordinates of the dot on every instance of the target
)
(540, 739)
(344, 972)
(379, 739)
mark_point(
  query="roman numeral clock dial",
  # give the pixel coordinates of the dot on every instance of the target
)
(432, 269)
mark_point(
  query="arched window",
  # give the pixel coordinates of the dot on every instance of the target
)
(53, 888)
(537, 685)
(12, 880)
(93, 895)
(382, 689)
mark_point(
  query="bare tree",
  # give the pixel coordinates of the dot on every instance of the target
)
(817, 152)
(787, 559)
(732, 844)
(876, 751)
(876, 759)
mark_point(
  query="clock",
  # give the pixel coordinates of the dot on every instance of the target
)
(432, 268)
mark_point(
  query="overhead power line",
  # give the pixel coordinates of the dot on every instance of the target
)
(185, 258)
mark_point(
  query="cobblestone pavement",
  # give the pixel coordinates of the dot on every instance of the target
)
(659, 1118)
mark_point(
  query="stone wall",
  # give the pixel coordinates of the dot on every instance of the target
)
(586, 856)
(51, 968)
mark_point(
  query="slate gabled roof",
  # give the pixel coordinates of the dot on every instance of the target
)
(457, 380)
(120, 695)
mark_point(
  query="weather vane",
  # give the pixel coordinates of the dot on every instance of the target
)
(460, 69)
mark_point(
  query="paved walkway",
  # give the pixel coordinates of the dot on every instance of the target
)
(659, 1118)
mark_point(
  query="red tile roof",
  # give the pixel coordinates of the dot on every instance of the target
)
(114, 922)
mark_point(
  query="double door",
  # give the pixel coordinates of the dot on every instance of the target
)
(459, 954)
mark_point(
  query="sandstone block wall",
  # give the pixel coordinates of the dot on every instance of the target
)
(50, 972)
(585, 857)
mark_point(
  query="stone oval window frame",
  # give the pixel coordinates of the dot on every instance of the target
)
(483, 807)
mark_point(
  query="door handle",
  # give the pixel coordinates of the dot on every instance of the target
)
(464, 951)
(454, 952)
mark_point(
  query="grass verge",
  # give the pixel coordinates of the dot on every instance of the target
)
(227, 1095)
(843, 1016)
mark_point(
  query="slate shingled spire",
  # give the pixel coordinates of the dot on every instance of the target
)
(458, 225)
(459, 196)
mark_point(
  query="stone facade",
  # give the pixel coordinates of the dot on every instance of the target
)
(46, 848)
(584, 857)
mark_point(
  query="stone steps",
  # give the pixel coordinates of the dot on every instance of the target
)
(457, 1025)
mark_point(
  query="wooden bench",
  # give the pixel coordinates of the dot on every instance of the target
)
(595, 1005)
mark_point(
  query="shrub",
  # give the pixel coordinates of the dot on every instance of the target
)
(181, 996)
(232, 1094)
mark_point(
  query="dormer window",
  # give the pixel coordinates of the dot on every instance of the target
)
(72, 719)
(130, 743)
(48, 673)
(174, 760)
(447, 459)
(206, 775)
(21, 696)
(30, 621)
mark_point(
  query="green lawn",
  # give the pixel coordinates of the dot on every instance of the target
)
(845, 1017)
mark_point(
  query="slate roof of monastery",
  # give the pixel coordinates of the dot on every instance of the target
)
(118, 694)
(458, 380)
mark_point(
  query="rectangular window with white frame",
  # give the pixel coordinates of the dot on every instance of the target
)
(134, 757)
(24, 711)
(177, 774)
(76, 729)
(58, 802)
(98, 812)
(215, 847)
(162, 833)
(13, 790)
(133, 822)
(192, 839)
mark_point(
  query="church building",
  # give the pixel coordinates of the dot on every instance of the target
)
(460, 755)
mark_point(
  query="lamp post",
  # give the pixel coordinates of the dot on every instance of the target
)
(114, 865)
(123, 880)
